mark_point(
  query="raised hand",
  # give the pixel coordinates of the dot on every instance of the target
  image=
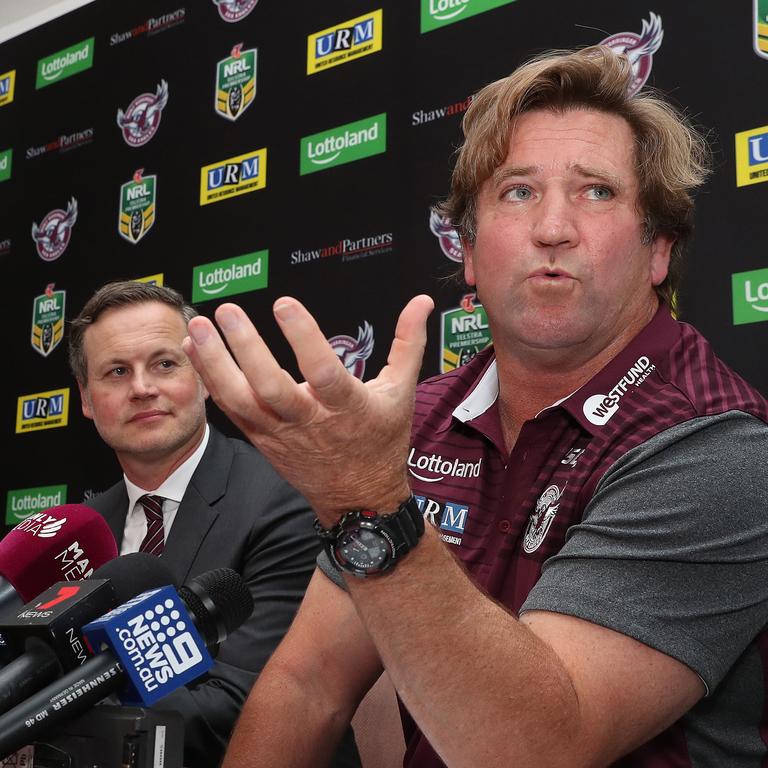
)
(341, 442)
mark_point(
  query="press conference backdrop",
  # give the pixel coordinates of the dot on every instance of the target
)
(245, 149)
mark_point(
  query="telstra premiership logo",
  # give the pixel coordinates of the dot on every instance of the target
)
(344, 144)
(750, 296)
(65, 63)
(440, 13)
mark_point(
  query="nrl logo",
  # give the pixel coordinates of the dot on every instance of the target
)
(137, 206)
(54, 232)
(234, 10)
(139, 123)
(464, 332)
(236, 82)
(354, 352)
(541, 519)
(48, 320)
(448, 237)
(639, 49)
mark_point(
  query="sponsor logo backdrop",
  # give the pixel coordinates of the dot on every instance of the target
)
(134, 140)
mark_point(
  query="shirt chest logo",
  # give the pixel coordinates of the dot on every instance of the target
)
(432, 468)
(541, 519)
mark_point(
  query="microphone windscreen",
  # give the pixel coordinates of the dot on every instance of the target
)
(133, 574)
(62, 543)
(220, 601)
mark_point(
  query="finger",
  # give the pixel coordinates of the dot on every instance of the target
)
(271, 384)
(407, 350)
(319, 364)
(226, 383)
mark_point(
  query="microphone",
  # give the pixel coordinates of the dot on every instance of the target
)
(49, 627)
(138, 662)
(62, 543)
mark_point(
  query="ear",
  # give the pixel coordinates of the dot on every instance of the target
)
(85, 401)
(661, 251)
(469, 263)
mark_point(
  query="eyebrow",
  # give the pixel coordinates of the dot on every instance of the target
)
(503, 173)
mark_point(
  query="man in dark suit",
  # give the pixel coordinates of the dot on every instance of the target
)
(189, 494)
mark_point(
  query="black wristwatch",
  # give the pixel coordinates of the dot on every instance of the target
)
(365, 543)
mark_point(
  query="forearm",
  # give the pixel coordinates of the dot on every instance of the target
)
(484, 689)
(286, 723)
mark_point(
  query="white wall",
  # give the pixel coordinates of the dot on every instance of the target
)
(17, 16)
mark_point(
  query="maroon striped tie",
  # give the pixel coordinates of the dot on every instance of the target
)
(154, 541)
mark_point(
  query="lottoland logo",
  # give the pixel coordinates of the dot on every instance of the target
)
(6, 161)
(65, 63)
(344, 144)
(599, 409)
(230, 276)
(433, 468)
(440, 13)
(23, 502)
(750, 296)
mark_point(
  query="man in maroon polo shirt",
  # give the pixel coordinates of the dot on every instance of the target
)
(592, 584)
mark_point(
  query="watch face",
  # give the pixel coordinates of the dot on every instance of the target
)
(363, 549)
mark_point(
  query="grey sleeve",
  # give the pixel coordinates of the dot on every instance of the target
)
(673, 548)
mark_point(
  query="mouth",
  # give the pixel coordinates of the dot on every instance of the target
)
(147, 416)
(551, 273)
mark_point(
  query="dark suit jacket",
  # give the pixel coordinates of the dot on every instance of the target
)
(238, 513)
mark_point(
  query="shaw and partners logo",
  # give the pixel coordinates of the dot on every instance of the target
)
(343, 144)
(599, 409)
(233, 176)
(24, 502)
(152, 26)
(345, 41)
(140, 121)
(53, 234)
(420, 117)
(62, 143)
(433, 468)
(639, 49)
(7, 86)
(750, 296)
(48, 320)
(229, 277)
(349, 249)
(42, 410)
(752, 156)
(65, 63)
(440, 13)
(136, 214)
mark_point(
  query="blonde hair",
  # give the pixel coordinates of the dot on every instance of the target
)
(671, 155)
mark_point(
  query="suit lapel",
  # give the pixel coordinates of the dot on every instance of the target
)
(112, 505)
(196, 513)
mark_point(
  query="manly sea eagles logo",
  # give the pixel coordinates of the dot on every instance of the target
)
(139, 123)
(48, 320)
(639, 49)
(354, 352)
(55, 230)
(137, 206)
(443, 230)
(234, 10)
(236, 82)
(541, 519)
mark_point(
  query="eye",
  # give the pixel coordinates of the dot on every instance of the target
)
(119, 371)
(599, 192)
(518, 193)
(167, 364)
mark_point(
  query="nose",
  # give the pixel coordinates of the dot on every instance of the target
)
(554, 223)
(142, 384)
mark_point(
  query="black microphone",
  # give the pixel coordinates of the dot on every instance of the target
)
(49, 627)
(144, 654)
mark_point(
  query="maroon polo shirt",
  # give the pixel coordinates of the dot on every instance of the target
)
(505, 514)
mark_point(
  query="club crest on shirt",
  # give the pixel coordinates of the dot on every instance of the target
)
(541, 519)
